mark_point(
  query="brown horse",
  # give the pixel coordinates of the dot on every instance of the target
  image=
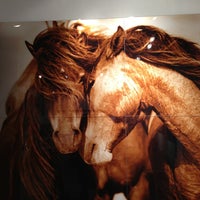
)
(50, 106)
(141, 68)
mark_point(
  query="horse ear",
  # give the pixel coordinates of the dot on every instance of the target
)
(47, 24)
(30, 48)
(120, 29)
(117, 41)
(55, 24)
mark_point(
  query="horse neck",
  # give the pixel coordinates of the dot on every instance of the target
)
(176, 100)
(173, 96)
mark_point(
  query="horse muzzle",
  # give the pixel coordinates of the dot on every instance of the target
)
(93, 154)
(67, 143)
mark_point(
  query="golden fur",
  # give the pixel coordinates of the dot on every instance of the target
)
(156, 48)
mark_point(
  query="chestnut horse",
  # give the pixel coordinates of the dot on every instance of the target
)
(146, 68)
(47, 115)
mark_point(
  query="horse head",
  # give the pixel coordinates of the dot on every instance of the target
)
(65, 115)
(112, 110)
(111, 116)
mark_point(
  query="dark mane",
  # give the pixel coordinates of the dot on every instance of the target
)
(62, 47)
(63, 56)
(154, 46)
(36, 159)
(65, 53)
(26, 142)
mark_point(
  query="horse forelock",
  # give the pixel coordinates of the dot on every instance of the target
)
(63, 56)
(153, 45)
(109, 48)
(61, 43)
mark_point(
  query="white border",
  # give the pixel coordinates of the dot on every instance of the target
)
(38, 10)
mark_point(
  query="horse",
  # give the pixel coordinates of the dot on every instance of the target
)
(145, 68)
(48, 115)
(137, 179)
(51, 103)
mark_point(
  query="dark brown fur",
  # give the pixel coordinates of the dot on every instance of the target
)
(175, 53)
(62, 57)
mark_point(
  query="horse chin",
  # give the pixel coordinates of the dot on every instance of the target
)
(63, 145)
(66, 150)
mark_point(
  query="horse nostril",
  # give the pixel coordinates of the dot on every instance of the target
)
(55, 133)
(76, 131)
(93, 146)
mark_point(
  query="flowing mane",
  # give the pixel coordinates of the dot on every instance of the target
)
(154, 46)
(68, 47)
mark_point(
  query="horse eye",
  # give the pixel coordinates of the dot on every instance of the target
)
(76, 131)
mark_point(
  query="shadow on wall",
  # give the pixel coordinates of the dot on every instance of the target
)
(14, 55)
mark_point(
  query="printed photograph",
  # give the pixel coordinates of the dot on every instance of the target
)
(101, 109)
